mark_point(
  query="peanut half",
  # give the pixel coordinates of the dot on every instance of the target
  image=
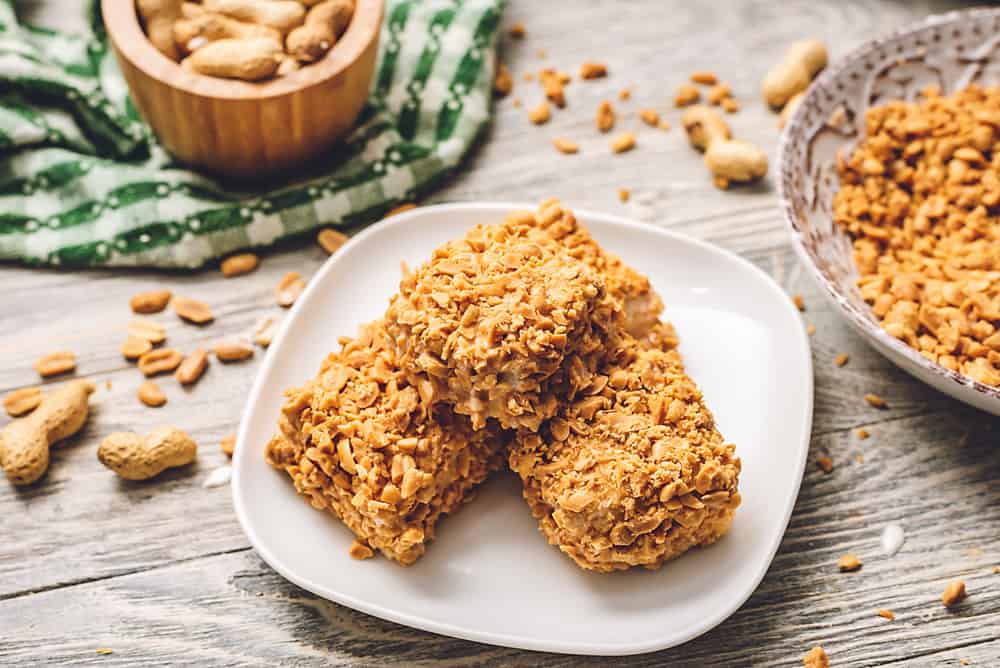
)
(263, 331)
(135, 347)
(144, 328)
(23, 401)
(193, 366)
(55, 363)
(153, 301)
(233, 350)
(289, 288)
(193, 310)
(162, 360)
(331, 240)
(237, 265)
(150, 394)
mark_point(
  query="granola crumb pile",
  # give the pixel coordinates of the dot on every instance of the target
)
(523, 343)
(920, 198)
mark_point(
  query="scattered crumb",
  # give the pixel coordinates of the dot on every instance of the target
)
(664, 124)
(107, 384)
(825, 463)
(800, 303)
(360, 551)
(228, 444)
(104, 650)
(593, 70)
(623, 142)
(875, 400)
(517, 31)
(686, 95)
(565, 145)
(624, 94)
(863, 434)
(540, 114)
(624, 194)
(963, 662)
(887, 614)
(848, 563)
(995, 570)
(892, 539)
(704, 77)
(810, 329)
(529, 76)
(331, 240)
(815, 658)
(541, 53)
(730, 105)
(859, 458)
(953, 593)
(503, 84)
(841, 359)
(516, 102)
(649, 117)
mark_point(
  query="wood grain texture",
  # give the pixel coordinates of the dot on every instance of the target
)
(161, 573)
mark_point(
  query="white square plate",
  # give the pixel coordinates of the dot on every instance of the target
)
(490, 576)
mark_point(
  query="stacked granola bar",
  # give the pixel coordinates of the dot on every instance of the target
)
(523, 342)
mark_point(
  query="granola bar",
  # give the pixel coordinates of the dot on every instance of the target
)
(360, 442)
(491, 318)
(641, 304)
(633, 471)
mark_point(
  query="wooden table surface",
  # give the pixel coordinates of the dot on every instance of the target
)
(161, 573)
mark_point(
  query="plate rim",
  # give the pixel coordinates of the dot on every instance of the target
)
(505, 639)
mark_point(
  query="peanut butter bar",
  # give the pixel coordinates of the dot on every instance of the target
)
(642, 305)
(362, 443)
(633, 471)
(491, 318)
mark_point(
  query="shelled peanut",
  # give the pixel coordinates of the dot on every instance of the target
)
(251, 40)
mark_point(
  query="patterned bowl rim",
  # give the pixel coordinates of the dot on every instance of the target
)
(833, 289)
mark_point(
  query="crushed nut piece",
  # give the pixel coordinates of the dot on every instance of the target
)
(953, 593)
(331, 240)
(623, 142)
(841, 359)
(810, 329)
(565, 145)
(289, 288)
(56, 363)
(664, 124)
(517, 30)
(625, 94)
(104, 650)
(848, 563)
(150, 394)
(650, 117)
(799, 302)
(730, 105)
(503, 84)
(516, 102)
(150, 302)
(624, 194)
(228, 444)
(23, 401)
(826, 464)
(193, 366)
(875, 401)
(686, 95)
(540, 114)
(359, 550)
(815, 658)
(263, 331)
(237, 265)
(704, 77)
(887, 614)
(863, 434)
(192, 310)
(591, 70)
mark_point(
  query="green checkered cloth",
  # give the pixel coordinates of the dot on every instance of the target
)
(83, 182)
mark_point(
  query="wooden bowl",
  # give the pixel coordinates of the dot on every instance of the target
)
(247, 130)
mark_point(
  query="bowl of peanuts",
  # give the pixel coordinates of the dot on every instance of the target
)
(246, 89)
(890, 185)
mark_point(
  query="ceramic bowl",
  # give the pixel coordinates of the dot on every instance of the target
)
(949, 50)
(240, 129)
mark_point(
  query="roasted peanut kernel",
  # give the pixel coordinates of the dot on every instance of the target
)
(503, 84)
(288, 289)
(143, 328)
(228, 444)
(590, 70)
(150, 394)
(162, 360)
(605, 119)
(540, 114)
(263, 331)
(192, 310)
(135, 347)
(564, 145)
(23, 401)
(953, 593)
(150, 302)
(686, 95)
(650, 117)
(623, 142)
(331, 240)
(237, 265)
(233, 350)
(193, 366)
(55, 363)
(704, 77)
(848, 563)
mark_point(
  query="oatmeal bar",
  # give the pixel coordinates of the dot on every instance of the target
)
(633, 472)
(360, 442)
(485, 324)
(642, 305)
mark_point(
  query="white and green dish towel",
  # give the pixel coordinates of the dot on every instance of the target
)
(83, 181)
